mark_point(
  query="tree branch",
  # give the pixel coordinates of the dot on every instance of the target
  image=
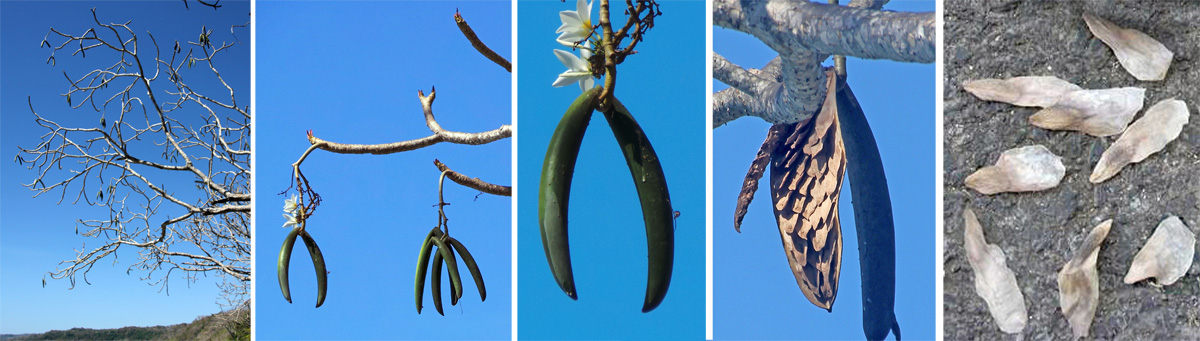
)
(805, 34)
(473, 182)
(478, 44)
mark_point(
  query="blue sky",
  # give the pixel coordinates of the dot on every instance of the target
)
(663, 86)
(755, 295)
(350, 71)
(35, 233)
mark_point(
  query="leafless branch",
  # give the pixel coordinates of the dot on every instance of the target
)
(134, 158)
(478, 44)
(805, 34)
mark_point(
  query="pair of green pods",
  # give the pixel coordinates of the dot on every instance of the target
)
(446, 247)
(555, 189)
(285, 259)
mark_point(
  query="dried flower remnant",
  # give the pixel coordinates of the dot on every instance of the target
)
(1101, 112)
(1025, 169)
(1079, 284)
(1161, 124)
(1029, 91)
(994, 281)
(1166, 256)
(1144, 58)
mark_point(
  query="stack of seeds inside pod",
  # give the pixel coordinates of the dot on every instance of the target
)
(1166, 256)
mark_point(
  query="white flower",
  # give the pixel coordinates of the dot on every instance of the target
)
(291, 221)
(577, 24)
(291, 205)
(577, 68)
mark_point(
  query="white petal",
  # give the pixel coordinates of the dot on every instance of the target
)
(585, 13)
(587, 83)
(569, 60)
(566, 78)
(570, 20)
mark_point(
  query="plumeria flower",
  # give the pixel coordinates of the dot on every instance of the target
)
(577, 24)
(291, 205)
(577, 68)
(291, 221)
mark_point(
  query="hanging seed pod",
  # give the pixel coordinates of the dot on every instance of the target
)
(1025, 169)
(1166, 256)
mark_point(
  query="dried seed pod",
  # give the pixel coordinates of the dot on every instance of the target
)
(1144, 58)
(1166, 256)
(1025, 169)
(994, 281)
(1102, 112)
(1159, 126)
(1029, 91)
(1079, 284)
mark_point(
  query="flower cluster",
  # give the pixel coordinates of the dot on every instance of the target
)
(291, 210)
(576, 27)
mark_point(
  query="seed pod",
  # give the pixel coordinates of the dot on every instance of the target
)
(1102, 112)
(1029, 91)
(1025, 169)
(1166, 256)
(1144, 58)
(1161, 124)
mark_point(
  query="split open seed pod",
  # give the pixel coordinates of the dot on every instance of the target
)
(1166, 256)
(1101, 112)
(1144, 58)
(1029, 91)
(1023, 169)
(994, 281)
(1159, 126)
(1079, 283)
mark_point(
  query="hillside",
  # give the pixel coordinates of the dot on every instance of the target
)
(229, 325)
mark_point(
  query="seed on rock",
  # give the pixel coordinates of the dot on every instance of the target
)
(994, 281)
(1142, 56)
(1024, 169)
(1159, 126)
(1079, 284)
(1166, 256)
(1029, 91)
(1101, 112)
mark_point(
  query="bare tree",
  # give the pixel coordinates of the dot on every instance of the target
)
(819, 134)
(166, 134)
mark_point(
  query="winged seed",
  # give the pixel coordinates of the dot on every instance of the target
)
(994, 281)
(1140, 55)
(1023, 169)
(1159, 126)
(1166, 256)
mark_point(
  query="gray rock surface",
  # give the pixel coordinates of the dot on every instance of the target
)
(1038, 231)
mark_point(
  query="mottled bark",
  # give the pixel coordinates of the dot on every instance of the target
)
(805, 34)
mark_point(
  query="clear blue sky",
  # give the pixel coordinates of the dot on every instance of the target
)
(350, 71)
(35, 233)
(663, 86)
(755, 295)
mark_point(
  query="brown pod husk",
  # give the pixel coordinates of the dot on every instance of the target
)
(806, 181)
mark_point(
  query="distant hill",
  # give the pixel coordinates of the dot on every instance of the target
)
(229, 325)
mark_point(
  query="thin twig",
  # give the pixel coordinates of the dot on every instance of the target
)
(473, 182)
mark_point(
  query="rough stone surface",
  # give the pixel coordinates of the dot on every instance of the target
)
(1038, 231)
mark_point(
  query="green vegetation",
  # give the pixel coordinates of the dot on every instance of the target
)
(230, 325)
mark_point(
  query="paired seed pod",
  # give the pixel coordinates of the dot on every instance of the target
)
(446, 246)
(285, 258)
(648, 177)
